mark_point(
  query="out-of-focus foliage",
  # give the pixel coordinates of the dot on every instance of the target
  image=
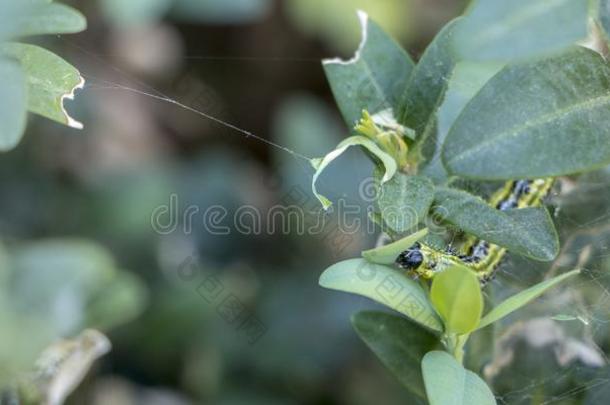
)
(57, 288)
(201, 11)
(336, 25)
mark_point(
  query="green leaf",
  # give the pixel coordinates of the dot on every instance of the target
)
(527, 231)
(448, 383)
(466, 81)
(117, 302)
(320, 164)
(504, 30)
(45, 17)
(399, 343)
(404, 201)
(517, 301)
(456, 295)
(427, 85)
(384, 285)
(387, 254)
(374, 78)
(50, 81)
(541, 119)
(13, 104)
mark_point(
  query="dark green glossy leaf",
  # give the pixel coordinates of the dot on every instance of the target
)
(374, 79)
(466, 81)
(504, 30)
(528, 231)
(385, 285)
(399, 343)
(427, 85)
(539, 119)
(404, 201)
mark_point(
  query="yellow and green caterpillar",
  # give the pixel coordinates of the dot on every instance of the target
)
(481, 256)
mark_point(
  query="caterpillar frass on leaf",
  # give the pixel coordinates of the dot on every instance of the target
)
(483, 257)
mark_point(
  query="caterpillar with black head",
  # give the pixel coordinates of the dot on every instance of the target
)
(481, 256)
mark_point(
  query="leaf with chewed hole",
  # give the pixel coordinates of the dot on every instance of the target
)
(50, 80)
(374, 79)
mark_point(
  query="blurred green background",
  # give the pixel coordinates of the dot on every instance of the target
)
(76, 214)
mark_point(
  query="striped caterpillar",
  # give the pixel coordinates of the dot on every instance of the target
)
(481, 256)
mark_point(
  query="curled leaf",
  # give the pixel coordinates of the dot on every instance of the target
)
(320, 164)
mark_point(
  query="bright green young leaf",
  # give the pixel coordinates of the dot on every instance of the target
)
(374, 79)
(387, 254)
(399, 343)
(385, 285)
(504, 30)
(466, 81)
(517, 301)
(540, 119)
(320, 164)
(13, 104)
(50, 81)
(45, 17)
(426, 87)
(528, 231)
(404, 201)
(448, 383)
(456, 295)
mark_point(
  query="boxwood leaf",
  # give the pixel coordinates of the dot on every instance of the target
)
(504, 30)
(399, 343)
(540, 119)
(447, 382)
(320, 164)
(466, 81)
(385, 285)
(518, 300)
(13, 103)
(527, 231)
(404, 201)
(50, 81)
(456, 295)
(374, 78)
(387, 254)
(46, 17)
